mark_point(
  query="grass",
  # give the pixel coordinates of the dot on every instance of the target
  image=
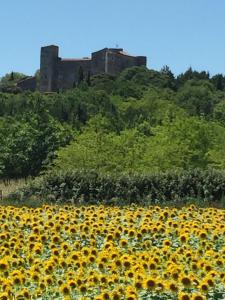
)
(11, 186)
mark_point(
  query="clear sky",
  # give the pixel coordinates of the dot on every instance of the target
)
(177, 33)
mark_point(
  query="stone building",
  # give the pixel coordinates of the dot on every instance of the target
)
(27, 84)
(57, 73)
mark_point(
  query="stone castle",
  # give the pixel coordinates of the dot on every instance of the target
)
(58, 73)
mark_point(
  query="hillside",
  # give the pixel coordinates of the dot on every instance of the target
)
(140, 121)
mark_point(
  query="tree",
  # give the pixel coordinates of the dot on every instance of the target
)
(171, 79)
(218, 81)
(37, 76)
(191, 75)
(104, 82)
(9, 81)
(183, 144)
(219, 112)
(11, 77)
(28, 144)
(197, 98)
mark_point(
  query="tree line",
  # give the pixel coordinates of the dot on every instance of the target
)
(141, 121)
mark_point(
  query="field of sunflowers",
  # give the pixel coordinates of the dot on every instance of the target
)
(100, 252)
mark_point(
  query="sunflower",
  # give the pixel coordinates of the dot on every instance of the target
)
(131, 233)
(103, 279)
(75, 256)
(35, 275)
(118, 263)
(91, 258)
(55, 239)
(55, 252)
(185, 280)
(131, 297)
(65, 289)
(106, 295)
(198, 296)
(115, 295)
(49, 267)
(85, 251)
(152, 265)
(49, 280)
(209, 281)
(173, 287)
(150, 283)
(203, 286)
(24, 294)
(127, 264)
(83, 288)
(123, 243)
(138, 284)
(167, 243)
(4, 296)
(184, 296)
(17, 280)
(42, 285)
(4, 264)
(203, 234)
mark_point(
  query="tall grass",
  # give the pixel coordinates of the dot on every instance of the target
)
(11, 186)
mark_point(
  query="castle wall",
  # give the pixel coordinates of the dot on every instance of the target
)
(48, 68)
(69, 70)
(141, 61)
(118, 61)
(28, 84)
(59, 74)
(98, 60)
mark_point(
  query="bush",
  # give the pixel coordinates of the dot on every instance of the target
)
(94, 188)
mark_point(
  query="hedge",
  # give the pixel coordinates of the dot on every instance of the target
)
(94, 188)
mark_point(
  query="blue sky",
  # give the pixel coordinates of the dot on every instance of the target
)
(177, 33)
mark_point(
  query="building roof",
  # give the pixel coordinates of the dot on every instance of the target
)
(25, 78)
(75, 59)
(125, 53)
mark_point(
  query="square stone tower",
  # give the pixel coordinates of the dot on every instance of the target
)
(49, 68)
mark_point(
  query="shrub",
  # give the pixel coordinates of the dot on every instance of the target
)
(92, 187)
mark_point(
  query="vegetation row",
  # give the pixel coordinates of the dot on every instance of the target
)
(90, 187)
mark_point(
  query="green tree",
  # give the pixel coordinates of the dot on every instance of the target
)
(191, 75)
(28, 144)
(103, 151)
(218, 81)
(219, 112)
(197, 98)
(8, 83)
(170, 77)
(181, 144)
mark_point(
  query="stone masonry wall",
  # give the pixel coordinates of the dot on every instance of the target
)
(59, 74)
(68, 72)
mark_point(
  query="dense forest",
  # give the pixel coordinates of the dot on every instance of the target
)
(140, 122)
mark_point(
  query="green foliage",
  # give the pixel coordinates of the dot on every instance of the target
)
(104, 82)
(191, 75)
(219, 112)
(137, 122)
(9, 81)
(132, 82)
(218, 81)
(29, 143)
(183, 144)
(91, 187)
(105, 152)
(37, 76)
(197, 98)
